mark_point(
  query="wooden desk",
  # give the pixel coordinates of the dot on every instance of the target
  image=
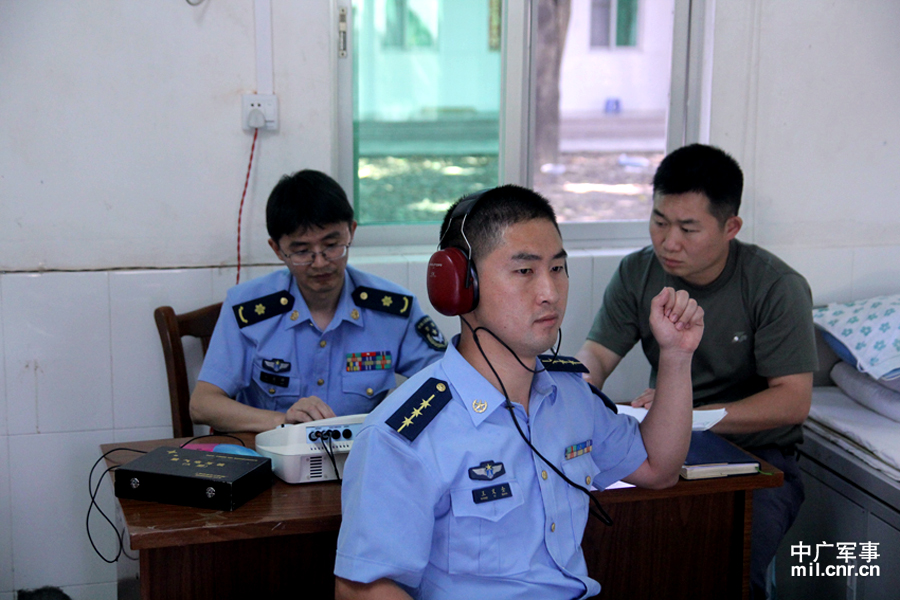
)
(689, 541)
(277, 544)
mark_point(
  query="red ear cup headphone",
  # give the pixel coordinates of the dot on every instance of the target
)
(452, 279)
(452, 282)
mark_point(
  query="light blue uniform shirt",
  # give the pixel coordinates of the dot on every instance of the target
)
(411, 511)
(274, 362)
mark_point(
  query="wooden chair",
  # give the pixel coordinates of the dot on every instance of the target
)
(197, 323)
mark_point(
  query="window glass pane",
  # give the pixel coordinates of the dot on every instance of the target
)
(626, 23)
(599, 141)
(391, 22)
(421, 24)
(600, 23)
(426, 113)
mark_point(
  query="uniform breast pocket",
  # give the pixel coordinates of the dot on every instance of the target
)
(365, 389)
(279, 390)
(580, 470)
(485, 533)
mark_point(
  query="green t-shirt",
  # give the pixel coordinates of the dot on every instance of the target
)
(757, 324)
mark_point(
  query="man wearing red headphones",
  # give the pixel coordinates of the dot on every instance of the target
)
(471, 480)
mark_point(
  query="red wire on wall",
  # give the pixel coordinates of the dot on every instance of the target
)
(241, 209)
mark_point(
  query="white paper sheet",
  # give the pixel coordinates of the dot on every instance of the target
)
(703, 419)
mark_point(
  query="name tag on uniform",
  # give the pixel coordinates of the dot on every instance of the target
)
(274, 379)
(489, 494)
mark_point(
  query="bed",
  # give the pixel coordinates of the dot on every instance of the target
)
(850, 463)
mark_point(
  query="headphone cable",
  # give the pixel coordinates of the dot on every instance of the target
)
(599, 513)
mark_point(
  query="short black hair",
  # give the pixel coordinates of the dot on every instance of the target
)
(704, 169)
(495, 210)
(305, 200)
(47, 592)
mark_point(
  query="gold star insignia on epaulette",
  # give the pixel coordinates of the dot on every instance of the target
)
(260, 309)
(406, 422)
(418, 411)
(383, 301)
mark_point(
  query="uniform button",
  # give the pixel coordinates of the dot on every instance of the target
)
(321, 382)
(587, 480)
(271, 390)
(322, 344)
(543, 474)
(369, 391)
(552, 527)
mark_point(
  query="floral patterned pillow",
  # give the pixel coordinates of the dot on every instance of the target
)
(869, 330)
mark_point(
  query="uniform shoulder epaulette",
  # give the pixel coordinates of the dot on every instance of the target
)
(254, 311)
(568, 364)
(423, 406)
(609, 403)
(380, 300)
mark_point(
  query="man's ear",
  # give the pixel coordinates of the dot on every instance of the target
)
(733, 226)
(352, 230)
(274, 246)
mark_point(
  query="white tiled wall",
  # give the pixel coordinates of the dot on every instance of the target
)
(49, 481)
(82, 366)
(829, 271)
(6, 534)
(56, 336)
(139, 372)
(875, 271)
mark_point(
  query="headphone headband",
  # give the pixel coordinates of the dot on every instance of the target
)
(462, 209)
(452, 280)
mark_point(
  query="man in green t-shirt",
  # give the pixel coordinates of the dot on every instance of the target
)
(758, 351)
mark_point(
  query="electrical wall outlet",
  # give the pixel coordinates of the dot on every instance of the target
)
(259, 111)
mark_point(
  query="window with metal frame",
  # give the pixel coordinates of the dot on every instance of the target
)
(427, 128)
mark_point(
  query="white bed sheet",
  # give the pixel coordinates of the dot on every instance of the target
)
(871, 437)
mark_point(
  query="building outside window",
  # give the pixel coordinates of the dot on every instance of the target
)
(428, 115)
(614, 23)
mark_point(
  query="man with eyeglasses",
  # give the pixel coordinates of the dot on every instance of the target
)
(317, 339)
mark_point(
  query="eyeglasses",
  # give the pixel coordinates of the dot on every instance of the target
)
(307, 257)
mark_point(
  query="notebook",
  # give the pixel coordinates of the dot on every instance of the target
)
(712, 456)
